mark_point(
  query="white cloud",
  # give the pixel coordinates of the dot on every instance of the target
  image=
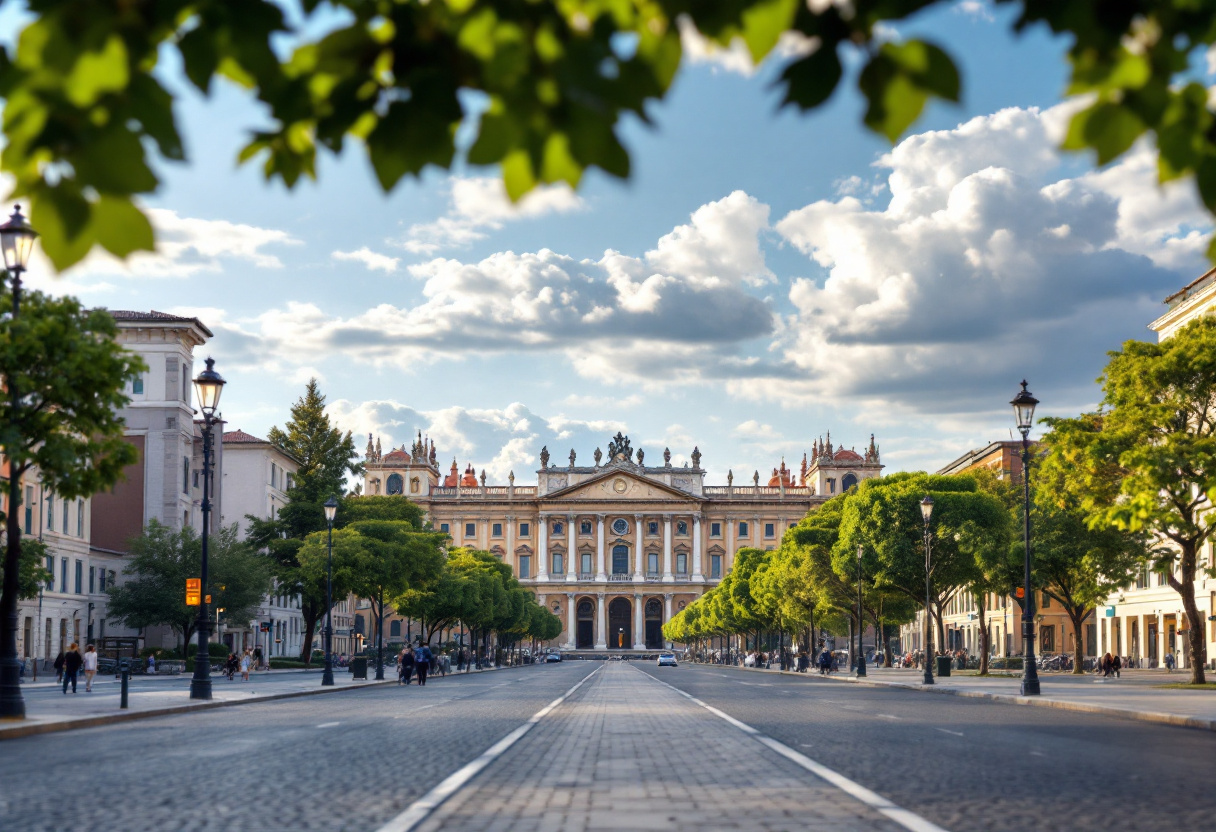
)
(480, 205)
(737, 58)
(186, 246)
(369, 258)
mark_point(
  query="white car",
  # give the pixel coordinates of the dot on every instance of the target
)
(667, 660)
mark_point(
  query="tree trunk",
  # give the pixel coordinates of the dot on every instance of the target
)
(981, 607)
(310, 617)
(941, 627)
(1078, 652)
(1195, 625)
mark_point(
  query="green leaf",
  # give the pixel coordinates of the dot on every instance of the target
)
(113, 162)
(61, 216)
(898, 80)
(97, 73)
(763, 24)
(477, 35)
(121, 227)
(558, 164)
(199, 57)
(517, 174)
(1111, 129)
(1205, 178)
(812, 80)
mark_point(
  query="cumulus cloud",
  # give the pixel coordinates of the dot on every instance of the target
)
(480, 205)
(186, 246)
(736, 58)
(371, 259)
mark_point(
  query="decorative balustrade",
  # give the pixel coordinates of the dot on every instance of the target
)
(518, 492)
(743, 492)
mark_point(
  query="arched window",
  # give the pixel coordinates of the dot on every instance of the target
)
(584, 610)
(654, 609)
(848, 481)
(395, 484)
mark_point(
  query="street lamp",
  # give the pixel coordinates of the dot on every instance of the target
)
(926, 512)
(17, 242)
(861, 661)
(207, 389)
(1023, 413)
(327, 678)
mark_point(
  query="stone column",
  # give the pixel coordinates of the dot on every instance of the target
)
(601, 617)
(542, 537)
(639, 622)
(542, 567)
(697, 574)
(730, 537)
(667, 575)
(639, 570)
(571, 622)
(1161, 645)
(571, 552)
(600, 575)
(509, 557)
(667, 607)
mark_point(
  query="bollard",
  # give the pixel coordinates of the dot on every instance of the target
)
(125, 670)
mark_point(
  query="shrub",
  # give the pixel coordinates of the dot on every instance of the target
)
(279, 663)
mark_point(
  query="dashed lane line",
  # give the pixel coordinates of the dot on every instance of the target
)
(907, 819)
(432, 800)
(328, 724)
(948, 731)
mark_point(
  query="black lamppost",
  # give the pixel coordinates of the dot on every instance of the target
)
(331, 509)
(926, 511)
(861, 627)
(380, 638)
(17, 241)
(207, 389)
(1023, 412)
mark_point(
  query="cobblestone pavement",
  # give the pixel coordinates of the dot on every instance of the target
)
(627, 753)
(344, 762)
(976, 765)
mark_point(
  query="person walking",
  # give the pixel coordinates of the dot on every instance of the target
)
(90, 667)
(230, 666)
(1169, 662)
(59, 667)
(246, 664)
(405, 665)
(1107, 665)
(422, 663)
(1115, 664)
(72, 661)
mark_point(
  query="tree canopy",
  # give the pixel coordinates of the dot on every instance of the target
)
(540, 87)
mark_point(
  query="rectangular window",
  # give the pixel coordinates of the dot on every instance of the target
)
(137, 385)
(557, 563)
(79, 577)
(681, 564)
(586, 560)
(715, 529)
(50, 513)
(682, 528)
(742, 529)
(92, 580)
(652, 563)
(80, 518)
(101, 579)
(525, 529)
(50, 573)
(652, 527)
(496, 530)
(185, 475)
(770, 529)
(557, 528)
(274, 475)
(445, 528)
(525, 566)
(29, 509)
(291, 481)
(1046, 601)
(585, 527)
(65, 515)
(63, 575)
(185, 383)
(470, 529)
(715, 566)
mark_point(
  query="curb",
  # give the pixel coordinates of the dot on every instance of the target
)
(22, 729)
(1176, 720)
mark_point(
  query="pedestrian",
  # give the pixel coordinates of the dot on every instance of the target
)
(1108, 664)
(405, 665)
(1169, 662)
(90, 667)
(71, 665)
(151, 665)
(422, 663)
(1115, 664)
(231, 666)
(246, 661)
(59, 667)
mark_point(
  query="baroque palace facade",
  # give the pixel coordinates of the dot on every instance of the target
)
(615, 549)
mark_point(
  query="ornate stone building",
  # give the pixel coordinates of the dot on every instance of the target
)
(618, 547)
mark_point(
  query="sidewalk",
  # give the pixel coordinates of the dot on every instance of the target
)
(47, 709)
(1135, 695)
(616, 755)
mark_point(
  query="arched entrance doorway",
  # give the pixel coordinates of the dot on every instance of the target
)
(620, 625)
(654, 624)
(586, 626)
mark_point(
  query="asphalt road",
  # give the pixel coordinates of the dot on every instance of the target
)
(972, 764)
(343, 761)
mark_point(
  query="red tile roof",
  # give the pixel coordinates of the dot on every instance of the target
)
(239, 435)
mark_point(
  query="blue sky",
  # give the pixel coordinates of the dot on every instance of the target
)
(763, 278)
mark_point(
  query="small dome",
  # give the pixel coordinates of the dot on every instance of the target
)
(469, 480)
(398, 455)
(850, 456)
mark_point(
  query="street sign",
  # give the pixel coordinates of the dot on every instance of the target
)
(194, 588)
(265, 626)
(208, 599)
(1020, 592)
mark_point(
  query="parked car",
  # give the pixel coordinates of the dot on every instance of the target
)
(553, 657)
(667, 660)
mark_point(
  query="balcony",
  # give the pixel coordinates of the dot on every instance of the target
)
(620, 577)
(586, 576)
(652, 576)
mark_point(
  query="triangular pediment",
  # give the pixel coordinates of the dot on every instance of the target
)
(617, 483)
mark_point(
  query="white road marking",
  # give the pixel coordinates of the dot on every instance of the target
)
(432, 800)
(807, 744)
(948, 731)
(888, 716)
(1037, 754)
(908, 820)
(328, 724)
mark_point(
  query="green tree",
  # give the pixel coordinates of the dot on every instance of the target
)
(161, 560)
(32, 575)
(1146, 462)
(325, 453)
(541, 86)
(63, 377)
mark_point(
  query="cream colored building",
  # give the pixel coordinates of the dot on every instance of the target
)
(615, 548)
(1145, 621)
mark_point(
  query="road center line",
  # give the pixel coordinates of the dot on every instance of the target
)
(948, 731)
(432, 800)
(907, 819)
(328, 724)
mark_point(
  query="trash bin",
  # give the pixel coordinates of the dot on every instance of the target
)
(943, 665)
(358, 668)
